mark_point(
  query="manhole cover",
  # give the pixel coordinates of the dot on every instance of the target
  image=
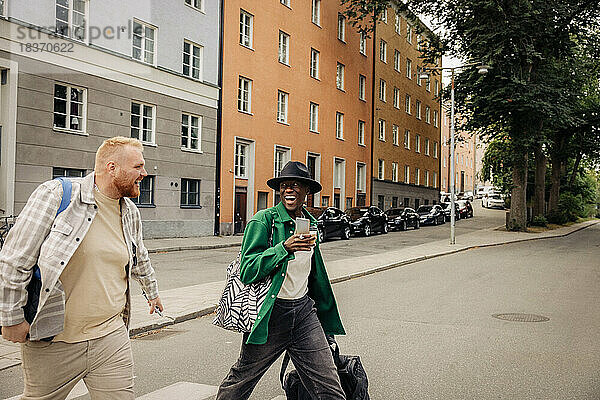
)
(518, 317)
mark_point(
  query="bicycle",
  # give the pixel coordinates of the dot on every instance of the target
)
(5, 224)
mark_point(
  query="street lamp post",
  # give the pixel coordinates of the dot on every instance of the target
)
(481, 69)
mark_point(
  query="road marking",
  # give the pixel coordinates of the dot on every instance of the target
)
(182, 390)
(179, 390)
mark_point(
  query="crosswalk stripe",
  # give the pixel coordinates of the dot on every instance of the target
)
(182, 390)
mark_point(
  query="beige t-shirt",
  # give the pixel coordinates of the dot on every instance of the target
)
(295, 283)
(95, 279)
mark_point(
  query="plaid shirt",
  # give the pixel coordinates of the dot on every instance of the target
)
(39, 236)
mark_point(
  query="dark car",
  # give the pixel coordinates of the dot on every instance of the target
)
(431, 215)
(465, 208)
(331, 222)
(402, 218)
(366, 220)
(446, 208)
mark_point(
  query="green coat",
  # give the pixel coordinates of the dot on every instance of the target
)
(258, 260)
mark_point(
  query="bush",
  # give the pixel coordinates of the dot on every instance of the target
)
(557, 217)
(571, 205)
(539, 220)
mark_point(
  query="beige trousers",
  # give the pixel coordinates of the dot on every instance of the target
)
(52, 369)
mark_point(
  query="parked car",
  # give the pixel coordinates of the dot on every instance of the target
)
(446, 208)
(331, 222)
(444, 197)
(431, 214)
(483, 190)
(493, 200)
(465, 209)
(468, 195)
(402, 218)
(366, 220)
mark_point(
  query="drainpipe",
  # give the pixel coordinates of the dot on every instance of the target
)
(217, 227)
(373, 108)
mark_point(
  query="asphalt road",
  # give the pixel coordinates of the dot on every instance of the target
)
(185, 268)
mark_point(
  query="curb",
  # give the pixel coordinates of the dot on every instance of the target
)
(209, 310)
(193, 247)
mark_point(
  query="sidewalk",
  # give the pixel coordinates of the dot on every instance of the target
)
(193, 301)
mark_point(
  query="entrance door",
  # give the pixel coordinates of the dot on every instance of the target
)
(240, 210)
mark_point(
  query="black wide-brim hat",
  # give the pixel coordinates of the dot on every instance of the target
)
(295, 171)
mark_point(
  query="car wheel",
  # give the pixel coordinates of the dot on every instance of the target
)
(321, 236)
(367, 230)
(346, 233)
(385, 228)
(418, 224)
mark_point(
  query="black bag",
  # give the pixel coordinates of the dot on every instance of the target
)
(350, 370)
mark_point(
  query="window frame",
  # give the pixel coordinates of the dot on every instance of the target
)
(313, 123)
(395, 135)
(339, 76)
(396, 98)
(187, 181)
(397, 57)
(382, 90)
(409, 68)
(383, 51)
(240, 161)
(136, 200)
(316, 5)
(341, 28)
(284, 48)
(381, 129)
(315, 56)
(362, 44)
(361, 177)
(192, 57)
(69, 23)
(195, 7)
(241, 101)
(339, 125)
(417, 143)
(68, 104)
(143, 49)
(407, 139)
(407, 174)
(141, 116)
(407, 104)
(428, 114)
(418, 109)
(380, 169)
(361, 132)
(283, 99)
(189, 129)
(250, 28)
(362, 87)
(394, 172)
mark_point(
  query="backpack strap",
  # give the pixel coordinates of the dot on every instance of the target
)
(67, 187)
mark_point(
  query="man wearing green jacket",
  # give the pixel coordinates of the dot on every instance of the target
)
(300, 306)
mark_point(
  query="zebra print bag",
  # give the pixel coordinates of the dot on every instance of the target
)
(239, 304)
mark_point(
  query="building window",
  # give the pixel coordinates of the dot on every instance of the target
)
(418, 73)
(426, 178)
(381, 201)
(197, 4)
(363, 43)
(361, 133)
(339, 77)
(192, 60)
(426, 146)
(146, 197)
(396, 98)
(282, 106)
(313, 124)
(407, 104)
(394, 201)
(339, 125)
(418, 109)
(382, 90)
(362, 85)
(383, 51)
(435, 184)
(191, 132)
(2, 8)
(384, 16)
(406, 174)
(285, 2)
(435, 149)
(67, 172)
(263, 201)
(435, 118)
(338, 172)
(407, 139)
(417, 176)
(382, 130)
(341, 28)
(245, 95)
(144, 42)
(428, 114)
(436, 90)
(409, 33)
(246, 28)
(241, 159)
(190, 193)
(314, 63)
(408, 68)
(71, 17)
(395, 135)
(380, 169)
(361, 177)
(70, 108)
(348, 202)
(142, 122)
(316, 12)
(395, 172)
(324, 201)
(397, 23)
(428, 84)
(397, 60)
(282, 156)
(418, 143)
(284, 48)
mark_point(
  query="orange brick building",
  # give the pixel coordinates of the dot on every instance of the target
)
(406, 140)
(465, 163)
(296, 86)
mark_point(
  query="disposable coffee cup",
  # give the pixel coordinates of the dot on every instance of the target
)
(313, 235)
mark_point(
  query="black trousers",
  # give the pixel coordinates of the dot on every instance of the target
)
(294, 327)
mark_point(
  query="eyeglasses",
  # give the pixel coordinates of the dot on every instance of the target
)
(293, 185)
